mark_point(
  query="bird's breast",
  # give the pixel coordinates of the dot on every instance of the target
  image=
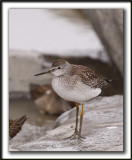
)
(62, 86)
(72, 89)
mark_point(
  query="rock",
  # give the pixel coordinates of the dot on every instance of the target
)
(12, 149)
(29, 133)
(102, 127)
(48, 101)
(28, 64)
(108, 24)
(101, 105)
(116, 148)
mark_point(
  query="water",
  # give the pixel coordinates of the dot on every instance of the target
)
(18, 108)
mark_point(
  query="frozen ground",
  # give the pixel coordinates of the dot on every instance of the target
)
(102, 128)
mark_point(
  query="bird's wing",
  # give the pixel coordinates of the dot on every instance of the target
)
(88, 76)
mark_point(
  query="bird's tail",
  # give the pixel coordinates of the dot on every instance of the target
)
(110, 80)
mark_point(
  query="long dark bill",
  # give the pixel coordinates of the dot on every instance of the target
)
(42, 73)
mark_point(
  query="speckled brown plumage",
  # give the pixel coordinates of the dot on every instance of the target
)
(88, 76)
(16, 125)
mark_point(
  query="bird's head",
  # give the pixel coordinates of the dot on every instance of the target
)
(58, 68)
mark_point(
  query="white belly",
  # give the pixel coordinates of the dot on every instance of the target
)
(78, 92)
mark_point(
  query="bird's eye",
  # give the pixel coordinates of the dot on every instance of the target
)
(59, 67)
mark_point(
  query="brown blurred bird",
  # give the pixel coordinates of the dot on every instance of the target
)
(16, 125)
(47, 100)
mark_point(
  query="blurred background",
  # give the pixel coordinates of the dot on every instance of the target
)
(37, 37)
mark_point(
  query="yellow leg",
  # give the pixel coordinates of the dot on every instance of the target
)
(76, 126)
(77, 110)
(82, 113)
(81, 120)
(77, 105)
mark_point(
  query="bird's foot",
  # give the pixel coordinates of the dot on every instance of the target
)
(80, 138)
(76, 133)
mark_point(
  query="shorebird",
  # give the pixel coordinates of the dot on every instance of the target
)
(75, 83)
(16, 125)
